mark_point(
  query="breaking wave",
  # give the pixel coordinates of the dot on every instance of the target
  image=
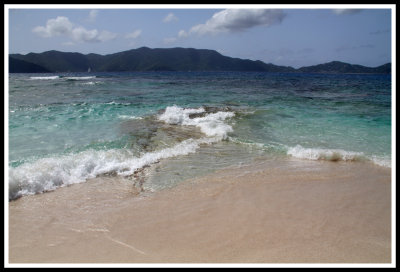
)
(62, 77)
(335, 155)
(211, 124)
(50, 173)
(44, 77)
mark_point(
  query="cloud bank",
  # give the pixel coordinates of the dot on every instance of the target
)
(62, 26)
(236, 20)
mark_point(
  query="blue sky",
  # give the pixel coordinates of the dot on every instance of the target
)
(290, 35)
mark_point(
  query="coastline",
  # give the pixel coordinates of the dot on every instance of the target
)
(269, 212)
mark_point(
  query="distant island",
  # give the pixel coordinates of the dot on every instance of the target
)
(166, 59)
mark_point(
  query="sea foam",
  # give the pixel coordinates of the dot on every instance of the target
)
(336, 155)
(50, 173)
(79, 78)
(325, 154)
(211, 124)
(44, 77)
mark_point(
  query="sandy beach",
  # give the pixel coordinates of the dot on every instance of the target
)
(270, 212)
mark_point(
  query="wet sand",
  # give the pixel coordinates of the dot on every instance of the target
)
(270, 212)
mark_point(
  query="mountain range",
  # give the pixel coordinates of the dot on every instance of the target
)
(166, 59)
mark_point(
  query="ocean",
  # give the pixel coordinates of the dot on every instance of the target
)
(158, 129)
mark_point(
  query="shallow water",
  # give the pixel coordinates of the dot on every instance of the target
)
(67, 128)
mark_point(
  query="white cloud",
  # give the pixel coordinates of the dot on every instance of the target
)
(170, 17)
(234, 20)
(133, 35)
(63, 26)
(182, 34)
(54, 27)
(345, 11)
(92, 15)
(106, 36)
(84, 35)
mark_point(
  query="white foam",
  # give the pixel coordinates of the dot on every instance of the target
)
(211, 124)
(336, 155)
(129, 117)
(80, 78)
(44, 77)
(382, 161)
(116, 103)
(48, 174)
(178, 116)
(324, 154)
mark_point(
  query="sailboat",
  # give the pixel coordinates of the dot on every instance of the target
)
(89, 70)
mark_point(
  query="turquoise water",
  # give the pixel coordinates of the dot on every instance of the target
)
(66, 128)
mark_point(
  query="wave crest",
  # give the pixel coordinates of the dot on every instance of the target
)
(44, 77)
(211, 124)
(79, 77)
(325, 154)
(50, 173)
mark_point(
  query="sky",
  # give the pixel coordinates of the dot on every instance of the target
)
(288, 35)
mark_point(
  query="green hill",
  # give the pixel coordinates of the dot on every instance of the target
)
(21, 66)
(55, 61)
(345, 68)
(164, 59)
(142, 59)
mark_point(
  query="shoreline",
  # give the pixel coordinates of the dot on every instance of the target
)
(270, 212)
